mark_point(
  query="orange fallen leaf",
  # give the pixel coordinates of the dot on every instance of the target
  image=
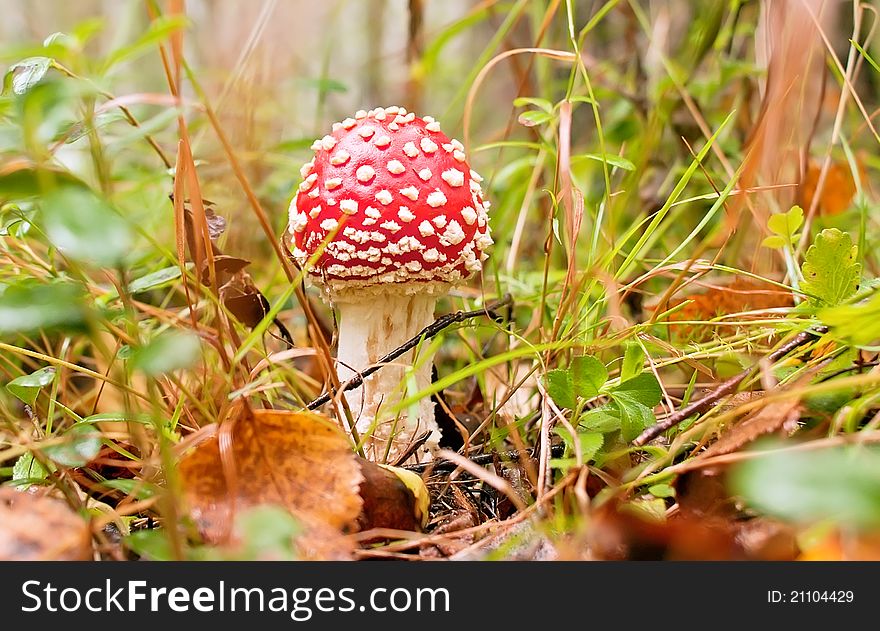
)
(39, 528)
(300, 461)
(738, 296)
(837, 192)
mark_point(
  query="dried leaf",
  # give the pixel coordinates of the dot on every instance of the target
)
(392, 499)
(300, 461)
(738, 296)
(38, 528)
(249, 308)
(225, 267)
(837, 192)
(781, 415)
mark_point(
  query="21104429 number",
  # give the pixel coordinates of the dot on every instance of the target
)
(802, 596)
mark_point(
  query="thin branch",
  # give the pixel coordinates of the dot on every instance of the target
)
(427, 333)
(725, 388)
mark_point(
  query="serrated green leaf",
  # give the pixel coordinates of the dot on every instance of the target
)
(28, 468)
(831, 272)
(590, 442)
(643, 389)
(560, 387)
(603, 419)
(588, 374)
(26, 387)
(167, 352)
(633, 361)
(80, 444)
(634, 417)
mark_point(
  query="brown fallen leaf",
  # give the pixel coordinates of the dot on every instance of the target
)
(617, 534)
(300, 461)
(778, 416)
(388, 501)
(39, 528)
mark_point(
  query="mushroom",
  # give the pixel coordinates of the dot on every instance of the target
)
(388, 218)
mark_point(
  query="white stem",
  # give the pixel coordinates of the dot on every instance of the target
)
(369, 330)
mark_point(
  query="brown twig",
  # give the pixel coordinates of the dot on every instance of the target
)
(443, 464)
(427, 333)
(725, 388)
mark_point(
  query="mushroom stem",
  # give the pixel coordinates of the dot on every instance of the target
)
(369, 329)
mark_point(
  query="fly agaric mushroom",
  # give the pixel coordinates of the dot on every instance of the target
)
(388, 217)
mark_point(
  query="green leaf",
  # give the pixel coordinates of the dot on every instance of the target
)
(644, 389)
(85, 227)
(533, 118)
(151, 545)
(28, 468)
(26, 387)
(603, 419)
(590, 442)
(25, 74)
(582, 99)
(661, 490)
(81, 443)
(154, 280)
(136, 488)
(831, 273)
(30, 307)
(836, 484)
(169, 351)
(859, 323)
(560, 387)
(28, 182)
(787, 224)
(633, 361)
(776, 242)
(82, 128)
(268, 531)
(634, 417)
(544, 104)
(610, 158)
(588, 375)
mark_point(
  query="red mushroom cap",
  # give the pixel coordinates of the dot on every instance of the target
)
(389, 200)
